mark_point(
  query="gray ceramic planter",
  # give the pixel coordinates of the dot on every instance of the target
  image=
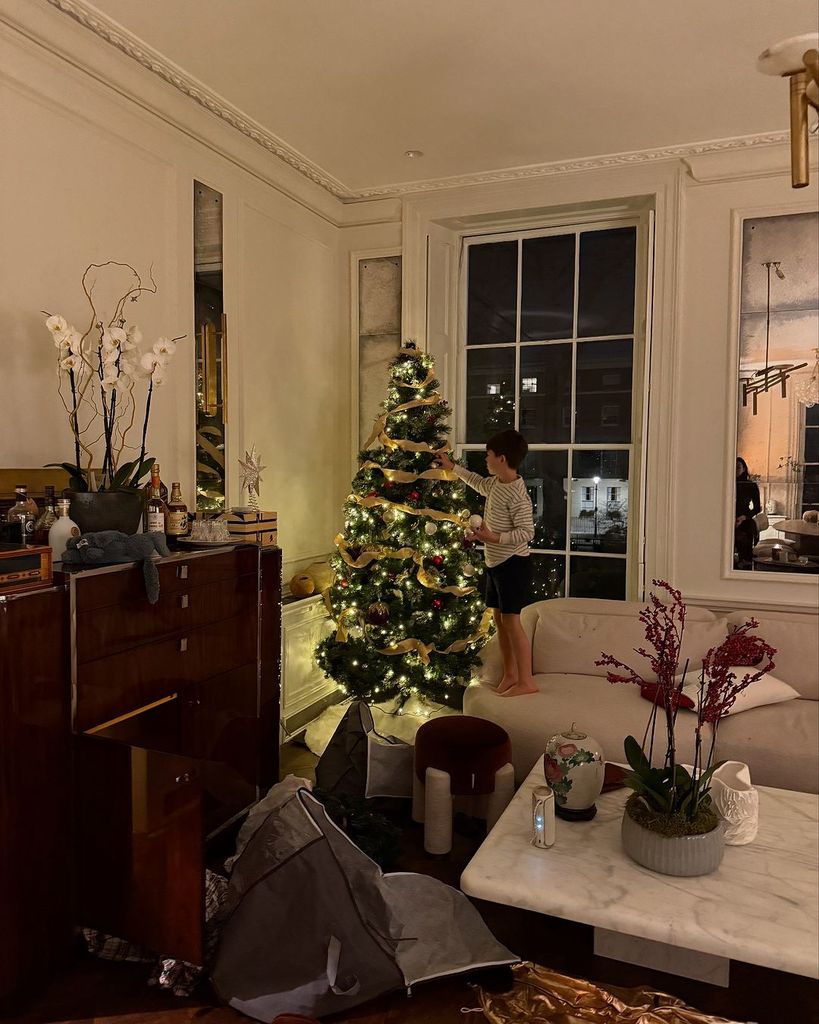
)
(683, 856)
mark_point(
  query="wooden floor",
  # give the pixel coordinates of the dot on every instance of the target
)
(93, 992)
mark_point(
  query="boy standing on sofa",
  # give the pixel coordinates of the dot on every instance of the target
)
(506, 531)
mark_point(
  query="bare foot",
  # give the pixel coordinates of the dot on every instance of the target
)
(507, 683)
(520, 688)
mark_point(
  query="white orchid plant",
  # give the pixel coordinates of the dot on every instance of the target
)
(102, 374)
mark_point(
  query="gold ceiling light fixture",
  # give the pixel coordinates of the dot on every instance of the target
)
(797, 58)
(772, 374)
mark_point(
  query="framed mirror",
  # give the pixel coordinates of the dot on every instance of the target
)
(776, 487)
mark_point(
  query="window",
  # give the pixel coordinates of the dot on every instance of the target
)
(810, 461)
(550, 346)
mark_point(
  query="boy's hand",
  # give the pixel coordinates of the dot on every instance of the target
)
(483, 533)
(445, 461)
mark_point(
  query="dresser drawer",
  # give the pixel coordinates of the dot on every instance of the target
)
(177, 574)
(114, 628)
(119, 684)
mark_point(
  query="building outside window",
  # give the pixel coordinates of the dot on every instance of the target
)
(550, 346)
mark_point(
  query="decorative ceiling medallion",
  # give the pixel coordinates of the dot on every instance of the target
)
(152, 60)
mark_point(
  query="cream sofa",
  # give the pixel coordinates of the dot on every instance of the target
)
(779, 742)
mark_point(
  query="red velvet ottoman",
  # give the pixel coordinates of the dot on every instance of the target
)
(459, 756)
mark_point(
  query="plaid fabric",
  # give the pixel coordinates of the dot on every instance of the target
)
(178, 976)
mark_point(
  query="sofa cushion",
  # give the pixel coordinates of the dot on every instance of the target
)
(607, 711)
(796, 639)
(779, 743)
(759, 694)
(569, 638)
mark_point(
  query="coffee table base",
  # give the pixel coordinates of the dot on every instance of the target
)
(687, 963)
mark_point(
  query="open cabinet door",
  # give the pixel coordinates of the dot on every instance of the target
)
(139, 868)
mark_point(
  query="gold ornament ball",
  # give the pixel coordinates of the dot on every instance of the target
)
(431, 529)
(302, 585)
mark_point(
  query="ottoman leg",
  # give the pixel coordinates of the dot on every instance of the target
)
(504, 791)
(437, 812)
(418, 797)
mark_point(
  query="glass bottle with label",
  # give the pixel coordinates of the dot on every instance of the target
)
(62, 530)
(24, 513)
(155, 512)
(155, 481)
(47, 517)
(176, 520)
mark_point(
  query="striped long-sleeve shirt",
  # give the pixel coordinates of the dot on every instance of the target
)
(508, 512)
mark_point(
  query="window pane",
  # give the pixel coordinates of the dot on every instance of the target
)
(548, 577)
(606, 299)
(490, 393)
(812, 443)
(476, 461)
(547, 304)
(544, 474)
(598, 577)
(603, 403)
(599, 501)
(545, 393)
(492, 295)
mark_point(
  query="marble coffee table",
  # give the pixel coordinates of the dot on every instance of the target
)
(760, 906)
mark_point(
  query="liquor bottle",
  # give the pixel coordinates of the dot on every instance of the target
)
(155, 481)
(24, 513)
(155, 512)
(176, 518)
(62, 530)
(47, 518)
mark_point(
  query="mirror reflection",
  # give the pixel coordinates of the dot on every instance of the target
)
(776, 487)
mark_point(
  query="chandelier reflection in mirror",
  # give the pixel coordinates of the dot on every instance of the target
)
(807, 391)
(771, 375)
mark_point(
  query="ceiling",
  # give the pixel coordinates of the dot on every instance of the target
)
(477, 85)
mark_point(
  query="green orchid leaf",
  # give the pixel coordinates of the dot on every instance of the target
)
(634, 755)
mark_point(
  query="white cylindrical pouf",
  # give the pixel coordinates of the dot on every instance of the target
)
(437, 812)
(736, 802)
(500, 798)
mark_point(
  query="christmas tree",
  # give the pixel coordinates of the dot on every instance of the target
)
(406, 600)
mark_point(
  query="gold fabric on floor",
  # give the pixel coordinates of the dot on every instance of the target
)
(541, 996)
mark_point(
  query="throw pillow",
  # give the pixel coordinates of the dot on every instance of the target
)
(654, 693)
(767, 690)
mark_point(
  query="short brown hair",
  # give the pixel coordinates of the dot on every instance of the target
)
(511, 444)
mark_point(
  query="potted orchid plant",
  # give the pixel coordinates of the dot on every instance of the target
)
(669, 824)
(106, 385)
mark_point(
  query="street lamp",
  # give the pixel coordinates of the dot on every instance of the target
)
(596, 480)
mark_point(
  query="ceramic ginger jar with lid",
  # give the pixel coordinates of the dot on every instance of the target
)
(574, 768)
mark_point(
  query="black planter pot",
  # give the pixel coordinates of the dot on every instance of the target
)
(94, 511)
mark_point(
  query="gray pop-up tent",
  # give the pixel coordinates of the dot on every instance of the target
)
(313, 926)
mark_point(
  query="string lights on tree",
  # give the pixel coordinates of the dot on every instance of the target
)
(406, 599)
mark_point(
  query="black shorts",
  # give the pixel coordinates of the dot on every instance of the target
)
(509, 585)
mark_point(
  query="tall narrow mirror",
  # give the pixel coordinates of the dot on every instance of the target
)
(211, 349)
(776, 489)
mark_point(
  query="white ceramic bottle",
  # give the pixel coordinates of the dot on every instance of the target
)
(63, 529)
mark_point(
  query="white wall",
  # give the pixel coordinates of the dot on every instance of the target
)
(98, 163)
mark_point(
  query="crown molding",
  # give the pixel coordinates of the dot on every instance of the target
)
(85, 14)
(686, 152)
(152, 60)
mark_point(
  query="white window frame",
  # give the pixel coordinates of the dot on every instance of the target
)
(634, 554)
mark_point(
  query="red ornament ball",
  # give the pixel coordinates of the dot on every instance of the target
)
(343, 584)
(373, 494)
(437, 603)
(389, 484)
(414, 495)
(378, 613)
(437, 560)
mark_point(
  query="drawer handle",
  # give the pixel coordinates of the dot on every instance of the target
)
(183, 644)
(184, 778)
(182, 572)
(183, 601)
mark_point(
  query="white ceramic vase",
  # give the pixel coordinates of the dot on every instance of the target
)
(574, 769)
(736, 802)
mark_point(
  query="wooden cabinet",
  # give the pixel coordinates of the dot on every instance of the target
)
(129, 734)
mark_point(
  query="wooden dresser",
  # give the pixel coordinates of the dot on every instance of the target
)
(174, 712)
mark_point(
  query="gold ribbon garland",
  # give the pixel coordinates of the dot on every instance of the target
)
(403, 476)
(380, 424)
(373, 501)
(423, 576)
(405, 384)
(413, 644)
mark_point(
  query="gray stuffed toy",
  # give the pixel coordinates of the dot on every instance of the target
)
(110, 547)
